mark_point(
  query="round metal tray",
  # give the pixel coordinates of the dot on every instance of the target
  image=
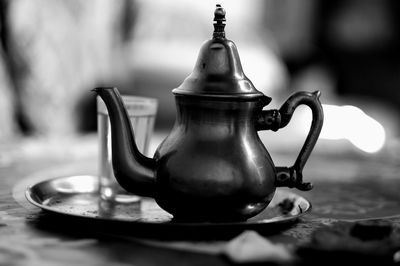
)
(77, 199)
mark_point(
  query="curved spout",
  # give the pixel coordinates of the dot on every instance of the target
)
(133, 171)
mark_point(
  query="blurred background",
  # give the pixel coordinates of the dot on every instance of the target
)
(53, 52)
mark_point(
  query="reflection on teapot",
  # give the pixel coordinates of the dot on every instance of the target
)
(212, 166)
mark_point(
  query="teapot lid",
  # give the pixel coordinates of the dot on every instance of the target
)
(218, 72)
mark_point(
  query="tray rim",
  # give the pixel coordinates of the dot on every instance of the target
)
(265, 222)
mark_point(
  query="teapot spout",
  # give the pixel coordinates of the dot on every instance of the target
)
(133, 170)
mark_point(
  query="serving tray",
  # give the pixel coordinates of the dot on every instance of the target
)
(76, 199)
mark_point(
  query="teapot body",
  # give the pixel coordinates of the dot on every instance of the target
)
(213, 165)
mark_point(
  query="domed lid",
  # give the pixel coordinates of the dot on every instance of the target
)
(218, 72)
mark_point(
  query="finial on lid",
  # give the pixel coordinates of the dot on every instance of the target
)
(219, 22)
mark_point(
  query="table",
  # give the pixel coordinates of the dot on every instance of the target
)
(348, 188)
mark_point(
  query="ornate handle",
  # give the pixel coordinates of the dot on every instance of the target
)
(276, 119)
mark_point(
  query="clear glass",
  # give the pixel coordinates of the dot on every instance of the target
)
(142, 112)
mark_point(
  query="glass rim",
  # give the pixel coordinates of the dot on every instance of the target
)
(135, 105)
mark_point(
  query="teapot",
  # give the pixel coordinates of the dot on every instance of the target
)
(212, 166)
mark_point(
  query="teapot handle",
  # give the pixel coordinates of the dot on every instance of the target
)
(276, 119)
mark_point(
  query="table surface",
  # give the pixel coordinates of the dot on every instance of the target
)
(347, 188)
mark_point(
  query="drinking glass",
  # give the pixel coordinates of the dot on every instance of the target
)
(142, 113)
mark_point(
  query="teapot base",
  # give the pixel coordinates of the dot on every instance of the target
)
(204, 211)
(208, 219)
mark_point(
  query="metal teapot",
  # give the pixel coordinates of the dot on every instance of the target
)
(212, 166)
